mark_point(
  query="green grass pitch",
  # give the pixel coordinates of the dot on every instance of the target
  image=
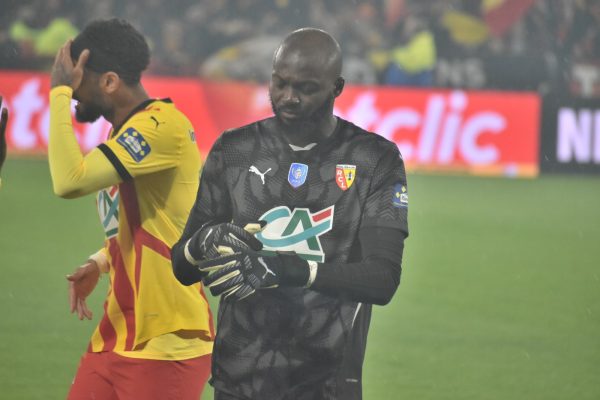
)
(500, 294)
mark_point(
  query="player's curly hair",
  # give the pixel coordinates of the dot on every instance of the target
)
(115, 45)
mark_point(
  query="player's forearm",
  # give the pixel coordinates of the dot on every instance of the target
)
(64, 155)
(185, 272)
(373, 282)
(73, 175)
(205, 212)
(375, 278)
(101, 260)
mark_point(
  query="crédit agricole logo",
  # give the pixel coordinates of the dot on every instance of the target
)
(108, 210)
(298, 230)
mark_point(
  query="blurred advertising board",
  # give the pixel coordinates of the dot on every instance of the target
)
(483, 133)
(26, 96)
(570, 135)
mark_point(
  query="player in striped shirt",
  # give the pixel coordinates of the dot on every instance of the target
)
(155, 338)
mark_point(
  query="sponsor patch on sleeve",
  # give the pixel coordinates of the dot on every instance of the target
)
(399, 196)
(135, 144)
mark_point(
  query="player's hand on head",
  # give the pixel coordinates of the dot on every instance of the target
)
(81, 283)
(213, 241)
(65, 71)
(3, 122)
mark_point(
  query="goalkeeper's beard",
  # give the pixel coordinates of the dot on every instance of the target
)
(307, 121)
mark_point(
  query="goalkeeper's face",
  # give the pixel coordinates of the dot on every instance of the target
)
(305, 81)
(91, 102)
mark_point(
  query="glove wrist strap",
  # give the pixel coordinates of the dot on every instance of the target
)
(188, 255)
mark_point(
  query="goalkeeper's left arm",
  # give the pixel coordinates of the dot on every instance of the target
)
(375, 278)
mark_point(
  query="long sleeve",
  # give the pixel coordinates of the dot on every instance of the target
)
(373, 274)
(372, 280)
(73, 174)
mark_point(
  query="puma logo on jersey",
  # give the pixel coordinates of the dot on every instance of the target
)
(267, 270)
(257, 172)
(156, 121)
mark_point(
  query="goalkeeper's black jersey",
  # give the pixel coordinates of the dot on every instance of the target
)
(295, 343)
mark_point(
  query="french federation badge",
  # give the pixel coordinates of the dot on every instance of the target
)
(400, 197)
(297, 175)
(344, 175)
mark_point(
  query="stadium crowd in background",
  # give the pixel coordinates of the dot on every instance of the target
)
(501, 44)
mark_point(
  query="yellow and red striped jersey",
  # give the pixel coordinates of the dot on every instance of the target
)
(155, 154)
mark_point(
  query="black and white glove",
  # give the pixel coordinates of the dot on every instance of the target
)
(240, 274)
(213, 241)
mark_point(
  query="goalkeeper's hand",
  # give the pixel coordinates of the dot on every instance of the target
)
(240, 274)
(226, 238)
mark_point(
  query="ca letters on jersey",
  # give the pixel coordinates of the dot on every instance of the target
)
(298, 230)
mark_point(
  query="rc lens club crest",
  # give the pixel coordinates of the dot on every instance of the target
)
(344, 175)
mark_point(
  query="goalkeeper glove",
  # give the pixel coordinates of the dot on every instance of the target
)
(213, 241)
(239, 275)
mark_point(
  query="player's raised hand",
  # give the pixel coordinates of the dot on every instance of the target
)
(225, 238)
(64, 71)
(3, 122)
(81, 283)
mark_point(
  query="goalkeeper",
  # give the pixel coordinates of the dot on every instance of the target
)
(328, 204)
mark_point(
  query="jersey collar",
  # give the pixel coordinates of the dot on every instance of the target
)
(136, 110)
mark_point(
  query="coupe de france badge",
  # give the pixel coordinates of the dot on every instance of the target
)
(344, 175)
(135, 144)
(400, 197)
(297, 175)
